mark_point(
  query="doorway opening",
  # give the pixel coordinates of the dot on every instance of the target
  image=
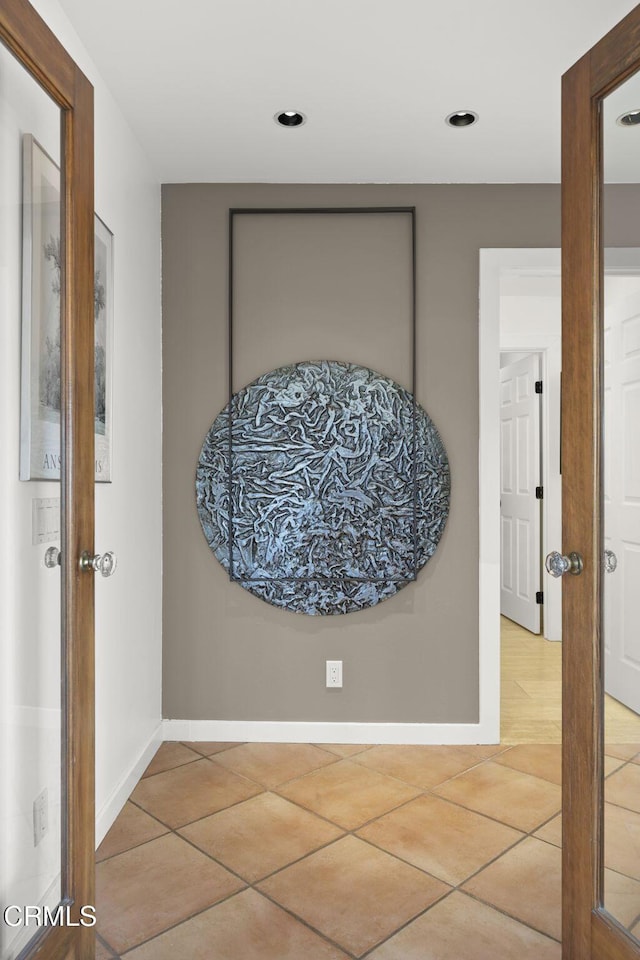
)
(530, 502)
(520, 483)
(520, 316)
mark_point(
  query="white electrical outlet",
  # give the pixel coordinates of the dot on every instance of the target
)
(334, 673)
(40, 816)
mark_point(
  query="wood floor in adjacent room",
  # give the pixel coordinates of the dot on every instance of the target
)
(263, 851)
(531, 686)
(531, 692)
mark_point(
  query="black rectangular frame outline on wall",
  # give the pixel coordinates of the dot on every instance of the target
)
(279, 211)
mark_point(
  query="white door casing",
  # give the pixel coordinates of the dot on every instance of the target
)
(493, 264)
(519, 477)
(622, 500)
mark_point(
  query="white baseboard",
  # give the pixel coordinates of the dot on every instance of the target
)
(272, 731)
(116, 800)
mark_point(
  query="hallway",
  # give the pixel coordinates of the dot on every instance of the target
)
(282, 851)
(278, 851)
(232, 851)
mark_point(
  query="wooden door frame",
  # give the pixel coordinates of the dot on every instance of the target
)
(587, 930)
(33, 44)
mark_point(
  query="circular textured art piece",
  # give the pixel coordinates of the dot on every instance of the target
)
(338, 491)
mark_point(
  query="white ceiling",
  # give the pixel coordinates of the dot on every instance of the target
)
(621, 145)
(201, 80)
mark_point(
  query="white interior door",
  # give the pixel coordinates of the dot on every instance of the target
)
(622, 500)
(519, 477)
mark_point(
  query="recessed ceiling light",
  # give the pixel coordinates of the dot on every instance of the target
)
(290, 118)
(462, 118)
(629, 119)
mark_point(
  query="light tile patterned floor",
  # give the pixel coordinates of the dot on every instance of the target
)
(283, 851)
(388, 853)
(341, 852)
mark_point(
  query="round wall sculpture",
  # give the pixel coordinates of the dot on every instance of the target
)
(338, 491)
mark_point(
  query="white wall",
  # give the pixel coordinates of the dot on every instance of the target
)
(128, 511)
(29, 673)
(29, 594)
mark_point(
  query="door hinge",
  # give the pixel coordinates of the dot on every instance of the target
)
(539, 493)
(538, 386)
(539, 596)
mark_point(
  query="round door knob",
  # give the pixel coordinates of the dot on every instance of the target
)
(610, 561)
(104, 563)
(52, 558)
(557, 564)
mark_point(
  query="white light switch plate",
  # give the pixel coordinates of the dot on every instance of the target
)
(45, 520)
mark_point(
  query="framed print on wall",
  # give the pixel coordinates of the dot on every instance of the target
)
(40, 388)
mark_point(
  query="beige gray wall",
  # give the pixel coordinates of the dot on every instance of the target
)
(414, 658)
(322, 286)
(228, 655)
